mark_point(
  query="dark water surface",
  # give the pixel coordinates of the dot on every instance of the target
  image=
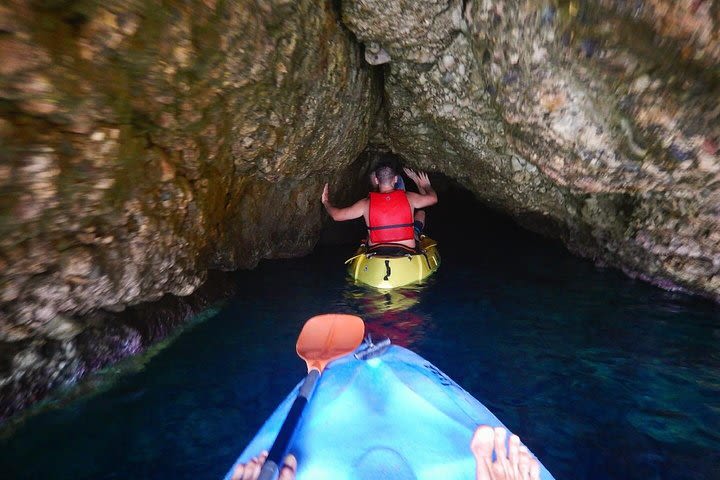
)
(603, 377)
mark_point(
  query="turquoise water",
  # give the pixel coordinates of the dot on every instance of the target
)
(602, 376)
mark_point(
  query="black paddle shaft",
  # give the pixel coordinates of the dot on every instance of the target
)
(275, 456)
(288, 428)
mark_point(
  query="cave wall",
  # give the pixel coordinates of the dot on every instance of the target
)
(143, 143)
(589, 120)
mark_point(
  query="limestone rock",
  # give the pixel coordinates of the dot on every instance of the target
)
(614, 136)
(141, 146)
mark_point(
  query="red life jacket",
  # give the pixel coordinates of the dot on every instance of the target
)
(390, 217)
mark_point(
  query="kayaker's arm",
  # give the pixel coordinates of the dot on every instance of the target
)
(352, 212)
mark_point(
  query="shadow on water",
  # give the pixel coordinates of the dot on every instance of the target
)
(602, 376)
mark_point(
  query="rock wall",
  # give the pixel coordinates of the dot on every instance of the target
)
(142, 143)
(583, 119)
(69, 348)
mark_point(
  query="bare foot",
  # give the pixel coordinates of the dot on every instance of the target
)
(251, 469)
(512, 463)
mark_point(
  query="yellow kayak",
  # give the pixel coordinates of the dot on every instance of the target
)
(391, 265)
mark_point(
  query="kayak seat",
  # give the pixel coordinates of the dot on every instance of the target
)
(391, 250)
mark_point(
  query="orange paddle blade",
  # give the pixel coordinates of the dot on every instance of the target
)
(327, 337)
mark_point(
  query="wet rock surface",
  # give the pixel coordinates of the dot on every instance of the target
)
(142, 146)
(66, 349)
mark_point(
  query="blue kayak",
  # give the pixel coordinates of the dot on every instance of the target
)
(393, 415)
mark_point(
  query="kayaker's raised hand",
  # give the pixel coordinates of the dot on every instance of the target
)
(251, 469)
(412, 175)
(421, 179)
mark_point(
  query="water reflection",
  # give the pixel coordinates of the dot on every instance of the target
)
(390, 313)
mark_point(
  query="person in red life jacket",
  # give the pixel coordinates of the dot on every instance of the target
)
(389, 213)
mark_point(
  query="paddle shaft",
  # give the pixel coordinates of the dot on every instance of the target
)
(271, 467)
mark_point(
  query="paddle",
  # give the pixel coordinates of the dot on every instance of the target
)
(323, 339)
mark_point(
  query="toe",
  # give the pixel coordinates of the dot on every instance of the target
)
(514, 456)
(534, 469)
(514, 449)
(482, 448)
(500, 449)
(289, 468)
(502, 466)
(252, 469)
(524, 463)
(238, 472)
(482, 442)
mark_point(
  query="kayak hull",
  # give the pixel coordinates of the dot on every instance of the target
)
(393, 271)
(396, 416)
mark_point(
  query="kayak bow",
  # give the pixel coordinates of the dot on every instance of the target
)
(387, 414)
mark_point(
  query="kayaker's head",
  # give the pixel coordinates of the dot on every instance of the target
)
(384, 178)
